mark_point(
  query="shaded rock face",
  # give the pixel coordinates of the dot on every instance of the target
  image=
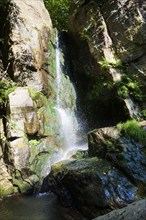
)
(135, 211)
(6, 186)
(94, 185)
(107, 45)
(124, 153)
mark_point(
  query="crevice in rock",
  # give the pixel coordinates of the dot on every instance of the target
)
(32, 68)
(12, 138)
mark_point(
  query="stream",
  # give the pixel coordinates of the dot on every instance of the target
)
(40, 207)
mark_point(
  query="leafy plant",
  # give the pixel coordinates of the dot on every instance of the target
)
(127, 86)
(144, 113)
(105, 64)
(85, 34)
(36, 95)
(132, 129)
(58, 10)
(6, 88)
(34, 142)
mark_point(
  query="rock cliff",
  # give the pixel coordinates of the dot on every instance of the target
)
(27, 117)
(107, 44)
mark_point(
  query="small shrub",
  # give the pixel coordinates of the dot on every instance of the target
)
(58, 10)
(123, 91)
(127, 86)
(105, 64)
(132, 129)
(144, 113)
(34, 142)
(36, 95)
(6, 88)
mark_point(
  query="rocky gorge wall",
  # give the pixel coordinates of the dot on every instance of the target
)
(27, 88)
(107, 44)
(107, 48)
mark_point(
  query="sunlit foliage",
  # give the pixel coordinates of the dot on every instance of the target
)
(58, 10)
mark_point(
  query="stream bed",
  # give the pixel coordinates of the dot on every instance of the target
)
(40, 207)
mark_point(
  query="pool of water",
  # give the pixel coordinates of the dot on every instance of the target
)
(41, 207)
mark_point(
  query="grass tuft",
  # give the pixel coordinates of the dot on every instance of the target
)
(132, 129)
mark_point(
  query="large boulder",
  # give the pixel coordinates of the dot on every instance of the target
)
(93, 185)
(108, 56)
(20, 152)
(22, 114)
(127, 154)
(135, 211)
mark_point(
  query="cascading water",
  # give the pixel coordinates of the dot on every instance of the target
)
(66, 113)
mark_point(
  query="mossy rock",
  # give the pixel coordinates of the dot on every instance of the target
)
(23, 186)
(6, 191)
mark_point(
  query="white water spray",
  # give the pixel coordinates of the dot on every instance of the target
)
(68, 122)
(58, 69)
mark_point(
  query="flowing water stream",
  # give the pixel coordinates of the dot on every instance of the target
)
(69, 127)
(39, 207)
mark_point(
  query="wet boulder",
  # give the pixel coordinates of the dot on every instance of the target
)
(125, 153)
(134, 211)
(93, 185)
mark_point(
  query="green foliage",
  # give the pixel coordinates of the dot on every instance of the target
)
(128, 86)
(105, 64)
(58, 10)
(144, 113)
(6, 88)
(34, 142)
(132, 129)
(37, 96)
(85, 34)
(123, 91)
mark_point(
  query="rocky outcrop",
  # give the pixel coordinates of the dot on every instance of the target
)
(26, 32)
(94, 185)
(30, 126)
(108, 56)
(122, 151)
(28, 119)
(136, 210)
(22, 116)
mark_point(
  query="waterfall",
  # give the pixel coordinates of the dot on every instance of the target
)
(68, 123)
(58, 69)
